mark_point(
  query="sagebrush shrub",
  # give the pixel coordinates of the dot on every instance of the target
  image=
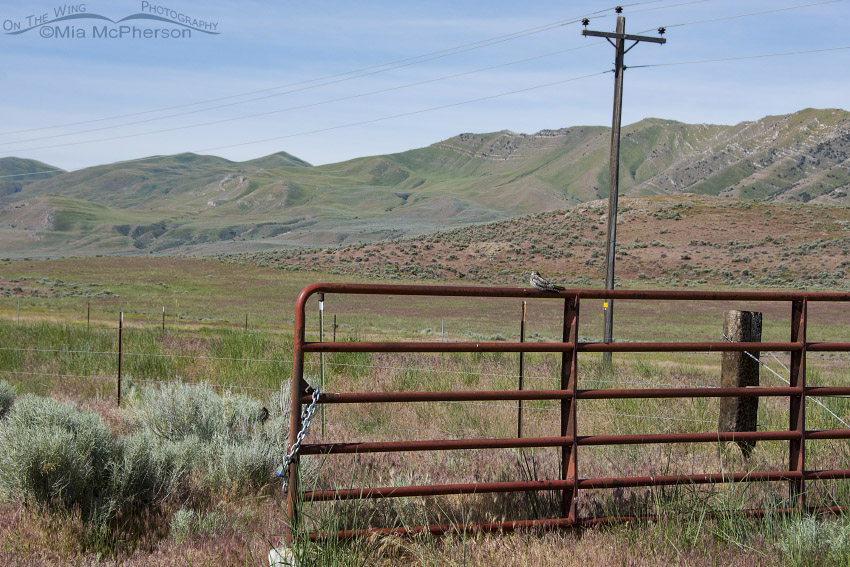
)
(142, 471)
(177, 411)
(221, 440)
(7, 398)
(55, 453)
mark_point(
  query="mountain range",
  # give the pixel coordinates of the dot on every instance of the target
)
(202, 205)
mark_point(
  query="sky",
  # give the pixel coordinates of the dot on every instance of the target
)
(329, 81)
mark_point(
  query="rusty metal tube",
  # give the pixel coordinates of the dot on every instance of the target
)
(435, 490)
(532, 486)
(471, 395)
(512, 443)
(527, 292)
(598, 394)
(432, 445)
(719, 436)
(829, 434)
(517, 525)
(418, 346)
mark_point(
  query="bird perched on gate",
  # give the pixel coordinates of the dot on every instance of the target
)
(540, 283)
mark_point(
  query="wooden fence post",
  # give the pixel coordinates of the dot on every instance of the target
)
(739, 370)
(120, 352)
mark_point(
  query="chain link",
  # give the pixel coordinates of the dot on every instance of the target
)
(306, 419)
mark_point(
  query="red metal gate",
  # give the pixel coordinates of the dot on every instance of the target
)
(569, 395)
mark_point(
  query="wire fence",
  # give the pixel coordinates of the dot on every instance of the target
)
(371, 367)
(440, 368)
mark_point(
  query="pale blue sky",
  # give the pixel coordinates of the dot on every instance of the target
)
(48, 82)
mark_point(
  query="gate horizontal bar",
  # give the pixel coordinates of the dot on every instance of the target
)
(703, 478)
(528, 292)
(745, 392)
(436, 490)
(828, 347)
(539, 485)
(418, 346)
(597, 394)
(719, 436)
(465, 396)
(512, 443)
(432, 445)
(829, 475)
(517, 525)
(828, 391)
(828, 434)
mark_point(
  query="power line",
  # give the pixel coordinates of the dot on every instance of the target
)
(483, 43)
(747, 15)
(32, 173)
(331, 128)
(299, 107)
(412, 113)
(373, 69)
(741, 58)
(668, 6)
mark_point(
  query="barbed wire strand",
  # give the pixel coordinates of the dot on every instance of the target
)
(788, 382)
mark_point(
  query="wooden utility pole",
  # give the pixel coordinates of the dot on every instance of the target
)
(620, 37)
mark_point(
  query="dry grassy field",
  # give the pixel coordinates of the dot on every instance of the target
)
(215, 508)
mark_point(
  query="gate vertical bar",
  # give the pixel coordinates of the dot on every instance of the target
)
(321, 354)
(298, 386)
(521, 371)
(569, 381)
(797, 414)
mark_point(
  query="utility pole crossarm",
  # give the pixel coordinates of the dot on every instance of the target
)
(629, 37)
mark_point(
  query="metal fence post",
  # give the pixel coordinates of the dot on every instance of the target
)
(521, 371)
(569, 381)
(321, 354)
(797, 448)
(298, 385)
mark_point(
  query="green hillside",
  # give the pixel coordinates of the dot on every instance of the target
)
(15, 173)
(192, 204)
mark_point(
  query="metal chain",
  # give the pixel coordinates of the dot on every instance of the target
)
(306, 418)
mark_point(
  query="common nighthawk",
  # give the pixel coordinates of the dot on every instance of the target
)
(542, 284)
